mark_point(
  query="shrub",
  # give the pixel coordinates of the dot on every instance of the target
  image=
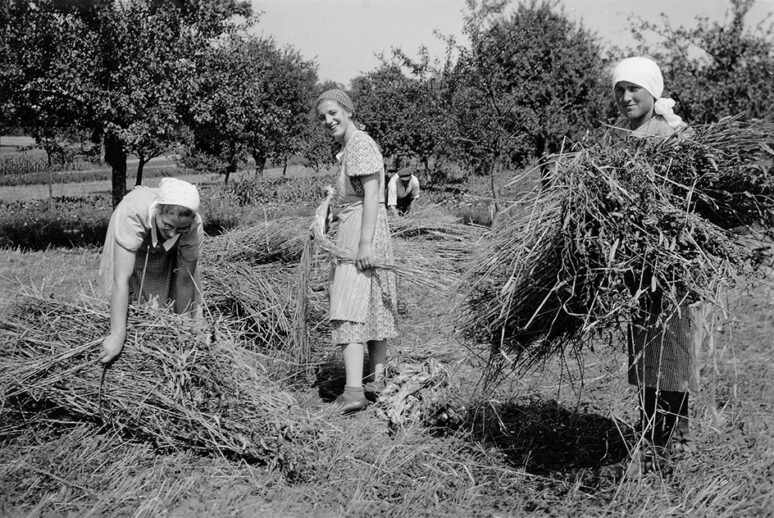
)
(309, 189)
(72, 222)
(83, 221)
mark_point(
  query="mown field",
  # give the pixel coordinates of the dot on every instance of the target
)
(532, 445)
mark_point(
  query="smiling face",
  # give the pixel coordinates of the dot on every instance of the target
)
(335, 120)
(634, 102)
(173, 221)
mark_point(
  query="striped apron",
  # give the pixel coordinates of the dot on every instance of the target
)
(362, 303)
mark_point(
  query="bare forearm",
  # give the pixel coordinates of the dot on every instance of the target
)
(119, 308)
(185, 289)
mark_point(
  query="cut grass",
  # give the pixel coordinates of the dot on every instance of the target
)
(529, 447)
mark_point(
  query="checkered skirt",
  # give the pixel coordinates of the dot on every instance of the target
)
(151, 280)
(664, 356)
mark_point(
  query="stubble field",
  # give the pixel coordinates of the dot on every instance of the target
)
(532, 445)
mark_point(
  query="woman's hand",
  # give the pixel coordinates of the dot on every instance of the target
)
(364, 257)
(112, 346)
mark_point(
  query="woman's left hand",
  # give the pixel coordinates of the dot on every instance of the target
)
(364, 257)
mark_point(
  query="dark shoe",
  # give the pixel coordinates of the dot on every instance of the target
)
(348, 403)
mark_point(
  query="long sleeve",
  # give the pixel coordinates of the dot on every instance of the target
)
(415, 187)
(392, 192)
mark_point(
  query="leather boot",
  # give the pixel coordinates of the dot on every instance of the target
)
(651, 419)
(675, 405)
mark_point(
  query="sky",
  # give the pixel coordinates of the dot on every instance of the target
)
(344, 36)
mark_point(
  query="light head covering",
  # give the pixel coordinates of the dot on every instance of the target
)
(641, 71)
(338, 95)
(178, 192)
(646, 73)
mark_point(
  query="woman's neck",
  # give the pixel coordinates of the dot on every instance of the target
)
(351, 129)
(640, 121)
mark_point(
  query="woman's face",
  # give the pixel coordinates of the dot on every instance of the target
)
(171, 224)
(334, 119)
(633, 101)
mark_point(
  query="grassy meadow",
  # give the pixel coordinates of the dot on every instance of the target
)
(534, 444)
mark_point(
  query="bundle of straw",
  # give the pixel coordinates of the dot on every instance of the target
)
(257, 298)
(276, 240)
(620, 230)
(428, 221)
(247, 278)
(412, 273)
(172, 385)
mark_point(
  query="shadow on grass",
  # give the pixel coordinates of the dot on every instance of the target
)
(330, 379)
(545, 438)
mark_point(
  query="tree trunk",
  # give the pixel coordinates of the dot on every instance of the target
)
(260, 163)
(115, 156)
(540, 151)
(231, 168)
(495, 193)
(284, 167)
(140, 166)
(50, 181)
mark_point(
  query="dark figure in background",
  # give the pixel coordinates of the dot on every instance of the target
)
(402, 190)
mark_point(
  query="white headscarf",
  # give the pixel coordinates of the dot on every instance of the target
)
(178, 192)
(645, 72)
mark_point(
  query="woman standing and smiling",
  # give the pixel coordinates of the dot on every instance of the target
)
(663, 348)
(362, 299)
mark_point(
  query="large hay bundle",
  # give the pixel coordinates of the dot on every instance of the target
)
(249, 277)
(429, 222)
(620, 230)
(275, 240)
(258, 299)
(172, 385)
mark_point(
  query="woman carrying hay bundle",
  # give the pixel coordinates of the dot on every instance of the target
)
(151, 251)
(362, 299)
(662, 348)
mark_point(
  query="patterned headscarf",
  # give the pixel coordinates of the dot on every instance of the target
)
(646, 73)
(340, 96)
(178, 192)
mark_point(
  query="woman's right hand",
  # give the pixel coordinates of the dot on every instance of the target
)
(112, 346)
(364, 257)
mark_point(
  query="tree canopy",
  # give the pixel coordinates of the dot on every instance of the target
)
(120, 68)
(716, 68)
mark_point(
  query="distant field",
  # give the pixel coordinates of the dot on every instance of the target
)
(11, 144)
(40, 190)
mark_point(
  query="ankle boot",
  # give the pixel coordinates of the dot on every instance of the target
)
(650, 421)
(678, 426)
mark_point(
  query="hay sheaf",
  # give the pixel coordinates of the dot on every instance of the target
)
(620, 231)
(257, 299)
(172, 385)
(429, 222)
(275, 240)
